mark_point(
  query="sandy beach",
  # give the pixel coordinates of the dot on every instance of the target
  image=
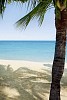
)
(29, 64)
(38, 78)
(37, 66)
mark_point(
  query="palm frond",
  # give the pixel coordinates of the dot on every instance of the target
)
(37, 12)
(4, 2)
(23, 1)
(3, 5)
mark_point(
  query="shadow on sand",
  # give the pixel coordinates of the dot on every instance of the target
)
(24, 84)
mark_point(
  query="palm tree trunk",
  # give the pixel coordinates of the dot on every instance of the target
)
(59, 57)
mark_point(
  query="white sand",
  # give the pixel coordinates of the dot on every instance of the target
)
(37, 66)
(15, 64)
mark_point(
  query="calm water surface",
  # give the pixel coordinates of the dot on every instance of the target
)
(27, 50)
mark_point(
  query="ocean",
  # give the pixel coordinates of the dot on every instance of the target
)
(39, 51)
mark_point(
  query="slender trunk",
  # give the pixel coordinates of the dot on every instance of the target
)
(59, 57)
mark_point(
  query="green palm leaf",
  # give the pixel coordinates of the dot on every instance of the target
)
(37, 12)
(3, 5)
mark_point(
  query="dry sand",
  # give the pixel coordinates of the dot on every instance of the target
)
(15, 64)
(35, 66)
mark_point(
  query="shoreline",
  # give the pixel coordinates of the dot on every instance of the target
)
(37, 66)
(15, 64)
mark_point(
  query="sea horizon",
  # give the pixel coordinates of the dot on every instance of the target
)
(29, 50)
(27, 40)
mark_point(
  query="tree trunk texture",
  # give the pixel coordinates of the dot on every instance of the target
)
(59, 57)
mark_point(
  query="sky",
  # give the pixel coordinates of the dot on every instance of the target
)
(9, 31)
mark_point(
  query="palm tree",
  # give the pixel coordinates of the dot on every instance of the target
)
(38, 10)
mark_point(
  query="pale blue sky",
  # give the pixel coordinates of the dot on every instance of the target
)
(14, 12)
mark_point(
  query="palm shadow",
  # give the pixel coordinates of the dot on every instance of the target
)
(30, 84)
(48, 65)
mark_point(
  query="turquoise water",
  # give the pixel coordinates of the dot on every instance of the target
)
(27, 50)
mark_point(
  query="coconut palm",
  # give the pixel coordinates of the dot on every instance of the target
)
(38, 10)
